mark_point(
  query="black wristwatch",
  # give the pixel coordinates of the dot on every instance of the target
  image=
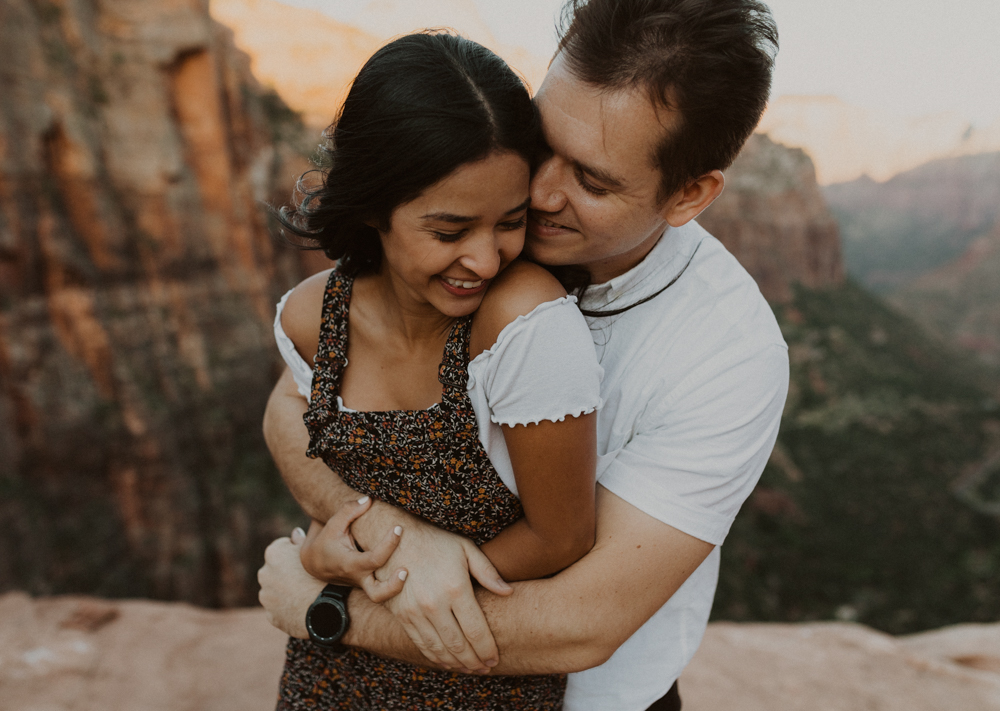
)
(327, 619)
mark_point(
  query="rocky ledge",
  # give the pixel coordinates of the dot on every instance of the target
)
(87, 654)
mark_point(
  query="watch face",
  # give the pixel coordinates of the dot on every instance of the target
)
(326, 620)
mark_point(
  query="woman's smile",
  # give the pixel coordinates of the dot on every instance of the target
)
(460, 287)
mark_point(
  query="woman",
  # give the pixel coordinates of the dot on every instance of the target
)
(449, 379)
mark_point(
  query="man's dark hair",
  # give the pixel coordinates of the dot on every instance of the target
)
(710, 61)
(421, 107)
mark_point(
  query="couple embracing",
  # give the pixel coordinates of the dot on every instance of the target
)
(535, 392)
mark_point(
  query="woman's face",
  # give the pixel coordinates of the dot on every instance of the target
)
(443, 248)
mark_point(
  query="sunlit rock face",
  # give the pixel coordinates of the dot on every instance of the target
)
(772, 217)
(310, 58)
(137, 283)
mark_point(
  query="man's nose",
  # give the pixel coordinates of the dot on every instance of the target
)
(547, 193)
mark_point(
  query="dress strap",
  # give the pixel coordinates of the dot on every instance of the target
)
(454, 369)
(333, 326)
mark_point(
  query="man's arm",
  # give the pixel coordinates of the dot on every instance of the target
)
(319, 491)
(573, 621)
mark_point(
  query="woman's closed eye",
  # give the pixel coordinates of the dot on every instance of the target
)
(450, 236)
(515, 224)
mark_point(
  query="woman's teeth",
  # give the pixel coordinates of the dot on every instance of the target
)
(464, 284)
(547, 223)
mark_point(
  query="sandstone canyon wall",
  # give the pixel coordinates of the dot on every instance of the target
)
(773, 218)
(137, 283)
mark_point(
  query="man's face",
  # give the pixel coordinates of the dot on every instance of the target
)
(594, 200)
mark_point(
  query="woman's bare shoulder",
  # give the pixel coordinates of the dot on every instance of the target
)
(303, 313)
(517, 291)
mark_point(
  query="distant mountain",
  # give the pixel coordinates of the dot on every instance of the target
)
(917, 221)
(847, 141)
(961, 300)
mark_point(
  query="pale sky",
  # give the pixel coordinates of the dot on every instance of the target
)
(906, 57)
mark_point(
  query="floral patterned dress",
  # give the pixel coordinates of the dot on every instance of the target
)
(431, 463)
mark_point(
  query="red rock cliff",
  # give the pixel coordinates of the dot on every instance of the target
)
(137, 283)
(773, 218)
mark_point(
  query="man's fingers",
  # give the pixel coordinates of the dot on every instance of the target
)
(380, 591)
(456, 642)
(432, 646)
(477, 631)
(272, 548)
(483, 571)
(378, 556)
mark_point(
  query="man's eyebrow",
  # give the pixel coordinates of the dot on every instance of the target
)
(601, 175)
(459, 219)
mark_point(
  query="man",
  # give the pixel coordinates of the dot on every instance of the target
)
(643, 106)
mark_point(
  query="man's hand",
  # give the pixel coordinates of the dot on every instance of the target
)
(330, 553)
(286, 589)
(437, 607)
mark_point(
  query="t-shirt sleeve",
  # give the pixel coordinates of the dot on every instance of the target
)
(301, 372)
(705, 444)
(542, 367)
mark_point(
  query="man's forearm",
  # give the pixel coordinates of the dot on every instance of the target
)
(541, 641)
(578, 618)
(318, 490)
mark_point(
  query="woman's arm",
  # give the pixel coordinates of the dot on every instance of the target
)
(553, 461)
(554, 466)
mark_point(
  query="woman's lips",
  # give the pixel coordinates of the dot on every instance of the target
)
(461, 287)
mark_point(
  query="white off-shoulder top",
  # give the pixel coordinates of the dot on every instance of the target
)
(543, 366)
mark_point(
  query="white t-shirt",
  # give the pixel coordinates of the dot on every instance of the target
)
(694, 385)
(542, 367)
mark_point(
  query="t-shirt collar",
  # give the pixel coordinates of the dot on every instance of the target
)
(652, 273)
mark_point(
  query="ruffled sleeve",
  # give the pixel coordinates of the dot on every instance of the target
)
(301, 372)
(543, 366)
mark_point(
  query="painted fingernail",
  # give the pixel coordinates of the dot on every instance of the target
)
(298, 532)
(398, 530)
(402, 575)
(363, 500)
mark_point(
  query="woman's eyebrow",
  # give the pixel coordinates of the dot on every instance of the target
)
(458, 219)
(522, 206)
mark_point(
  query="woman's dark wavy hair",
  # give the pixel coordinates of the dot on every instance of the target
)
(422, 106)
(708, 60)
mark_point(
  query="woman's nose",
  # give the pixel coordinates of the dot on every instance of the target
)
(482, 255)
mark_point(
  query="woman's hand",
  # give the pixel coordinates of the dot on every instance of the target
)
(438, 608)
(329, 553)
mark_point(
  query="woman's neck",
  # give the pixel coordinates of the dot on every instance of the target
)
(400, 313)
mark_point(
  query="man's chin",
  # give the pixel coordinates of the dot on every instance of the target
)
(543, 251)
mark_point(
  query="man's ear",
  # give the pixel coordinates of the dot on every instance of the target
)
(693, 199)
